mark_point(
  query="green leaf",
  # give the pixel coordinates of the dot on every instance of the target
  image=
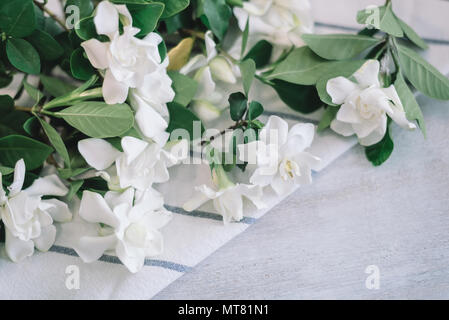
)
(300, 98)
(255, 110)
(146, 16)
(98, 119)
(56, 141)
(80, 66)
(303, 66)
(32, 127)
(46, 45)
(68, 173)
(75, 186)
(16, 147)
(15, 120)
(172, 7)
(33, 92)
(6, 105)
(424, 77)
(248, 71)
(218, 14)
(6, 170)
(260, 53)
(17, 17)
(381, 18)
(184, 87)
(329, 114)
(182, 118)
(339, 46)
(238, 105)
(85, 28)
(23, 56)
(381, 151)
(411, 107)
(85, 7)
(412, 35)
(55, 86)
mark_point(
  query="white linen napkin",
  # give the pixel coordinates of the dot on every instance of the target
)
(191, 237)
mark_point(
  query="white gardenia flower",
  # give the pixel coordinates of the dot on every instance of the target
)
(140, 164)
(280, 155)
(213, 73)
(125, 223)
(365, 105)
(281, 22)
(28, 219)
(227, 197)
(126, 59)
(150, 103)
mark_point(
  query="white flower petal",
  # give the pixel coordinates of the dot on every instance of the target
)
(253, 193)
(195, 201)
(340, 88)
(345, 129)
(347, 113)
(114, 91)
(17, 249)
(95, 209)
(46, 239)
(373, 138)
(98, 153)
(282, 187)
(50, 185)
(133, 148)
(58, 210)
(368, 74)
(106, 19)
(115, 199)
(210, 45)
(91, 249)
(132, 258)
(97, 53)
(398, 113)
(150, 122)
(19, 178)
(123, 10)
(275, 131)
(304, 130)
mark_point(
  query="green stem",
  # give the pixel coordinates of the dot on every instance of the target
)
(73, 97)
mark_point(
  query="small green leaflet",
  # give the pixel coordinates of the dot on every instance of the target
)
(56, 141)
(381, 151)
(248, 71)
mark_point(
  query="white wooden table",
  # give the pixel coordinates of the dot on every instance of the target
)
(318, 243)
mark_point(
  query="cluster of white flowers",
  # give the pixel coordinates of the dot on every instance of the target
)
(28, 219)
(127, 219)
(281, 162)
(131, 67)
